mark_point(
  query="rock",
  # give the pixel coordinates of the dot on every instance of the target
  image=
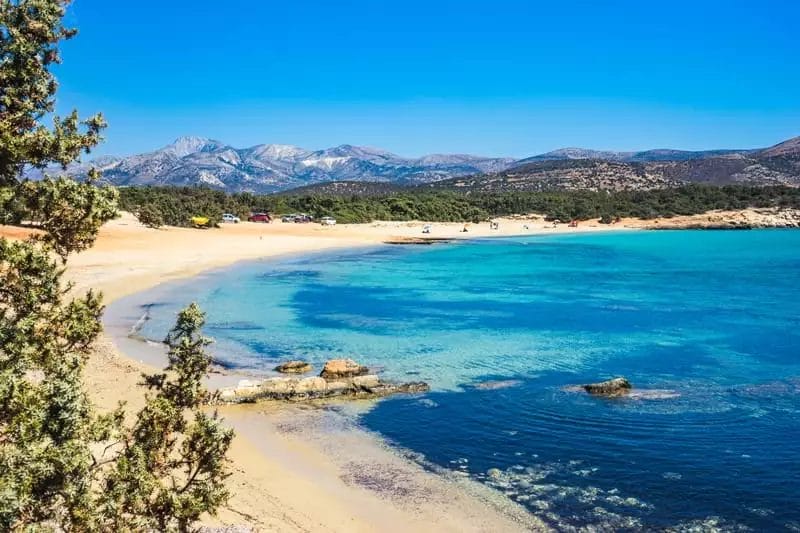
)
(315, 388)
(342, 368)
(497, 384)
(312, 385)
(337, 387)
(366, 382)
(293, 367)
(385, 389)
(612, 387)
(340, 378)
(277, 387)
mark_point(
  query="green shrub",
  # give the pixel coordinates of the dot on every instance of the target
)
(179, 204)
(150, 215)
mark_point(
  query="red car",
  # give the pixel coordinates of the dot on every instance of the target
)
(260, 217)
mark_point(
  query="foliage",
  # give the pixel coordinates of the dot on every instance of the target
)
(46, 424)
(150, 215)
(62, 466)
(177, 205)
(171, 470)
(30, 31)
(69, 212)
(453, 206)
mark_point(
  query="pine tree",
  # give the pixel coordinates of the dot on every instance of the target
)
(171, 469)
(63, 466)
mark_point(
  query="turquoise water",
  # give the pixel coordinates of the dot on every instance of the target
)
(705, 323)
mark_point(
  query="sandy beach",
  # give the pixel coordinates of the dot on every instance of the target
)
(304, 478)
(296, 468)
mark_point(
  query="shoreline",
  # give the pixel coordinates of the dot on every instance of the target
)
(272, 482)
(277, 472)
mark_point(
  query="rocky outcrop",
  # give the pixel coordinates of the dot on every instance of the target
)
(342, 368)
(612, 387)
(341, 378)
(754, 218)
(316, 388)
(418, 240)
(293, 367)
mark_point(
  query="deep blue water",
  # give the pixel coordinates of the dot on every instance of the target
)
(704, 322)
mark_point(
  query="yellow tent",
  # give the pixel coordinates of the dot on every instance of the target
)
(200, 222)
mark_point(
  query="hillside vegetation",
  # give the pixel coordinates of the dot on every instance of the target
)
(178, 204)
(776, 167)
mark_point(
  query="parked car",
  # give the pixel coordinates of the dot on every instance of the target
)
(288, 218)
(327, 221)
(303, 218)
(260, 217)
(230, 219)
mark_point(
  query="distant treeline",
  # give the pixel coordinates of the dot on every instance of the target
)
(176, 205)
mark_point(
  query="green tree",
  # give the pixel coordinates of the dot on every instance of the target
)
(171, 469)
(63, 466)
(150, 215)
(30, 31)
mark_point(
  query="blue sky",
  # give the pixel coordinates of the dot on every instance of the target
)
(503, 77)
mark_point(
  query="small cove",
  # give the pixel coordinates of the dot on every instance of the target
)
(709, 316)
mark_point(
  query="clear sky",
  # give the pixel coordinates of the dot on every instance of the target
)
(499, 77)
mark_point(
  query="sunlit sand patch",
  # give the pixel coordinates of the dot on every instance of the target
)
(711, 524)
(496, 384)
(634, 394)
(652, 394)
(759, 511)
(787, 387)
(578, 506)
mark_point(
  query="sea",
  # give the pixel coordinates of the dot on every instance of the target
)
(704, 324)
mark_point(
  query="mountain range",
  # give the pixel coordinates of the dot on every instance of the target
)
(275, 167)
(270, 168)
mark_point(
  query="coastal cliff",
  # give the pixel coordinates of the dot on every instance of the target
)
(742, 219)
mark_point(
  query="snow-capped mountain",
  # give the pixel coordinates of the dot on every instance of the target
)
(276, 167)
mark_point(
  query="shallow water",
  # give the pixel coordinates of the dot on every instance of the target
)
(705, 325)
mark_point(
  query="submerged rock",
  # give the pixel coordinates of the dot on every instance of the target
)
(653, 394)
(293, 367)
(496, 384)
(342, 368)
(612, 387)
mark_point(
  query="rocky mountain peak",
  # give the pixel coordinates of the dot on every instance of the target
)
(275, 167)
(183, 146)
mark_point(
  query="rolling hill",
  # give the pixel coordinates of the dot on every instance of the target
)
(777, 165)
